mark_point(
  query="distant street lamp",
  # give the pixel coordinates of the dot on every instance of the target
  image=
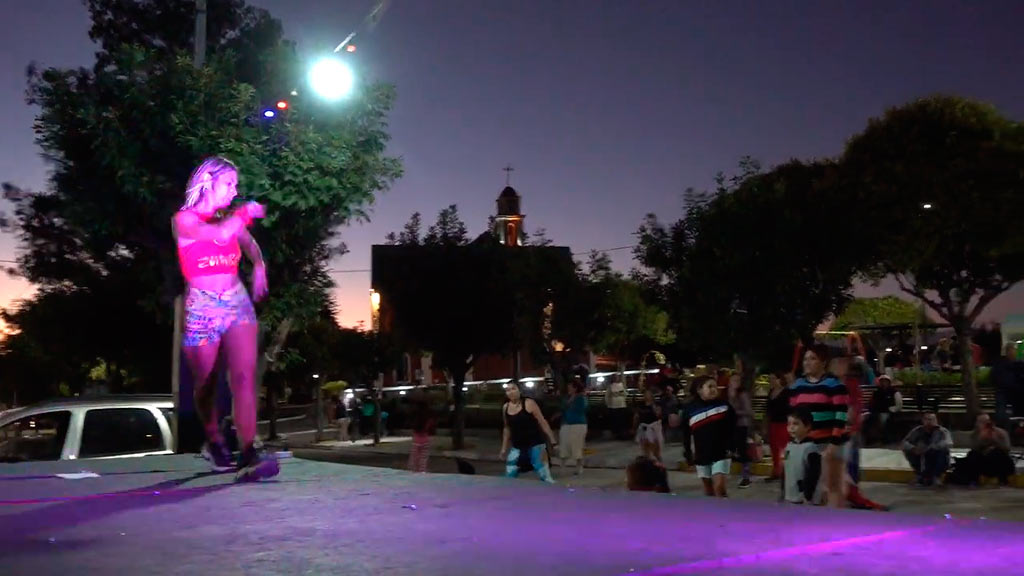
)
(331, 79)
(926, 206)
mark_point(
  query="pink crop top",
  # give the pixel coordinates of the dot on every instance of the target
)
(208, 258)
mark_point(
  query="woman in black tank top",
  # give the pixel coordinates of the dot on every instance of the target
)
(523, 439)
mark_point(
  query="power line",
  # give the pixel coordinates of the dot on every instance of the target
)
(616, 249)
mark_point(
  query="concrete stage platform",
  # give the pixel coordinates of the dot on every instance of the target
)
(167, 515)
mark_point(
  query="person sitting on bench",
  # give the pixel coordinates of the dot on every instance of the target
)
(927, 449)
(885, 401)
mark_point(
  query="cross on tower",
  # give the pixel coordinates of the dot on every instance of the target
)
(508, 174)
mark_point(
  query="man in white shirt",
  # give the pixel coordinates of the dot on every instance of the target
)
(615, 400)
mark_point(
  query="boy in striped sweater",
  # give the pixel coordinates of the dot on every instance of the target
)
(827, 400)
(711, 422)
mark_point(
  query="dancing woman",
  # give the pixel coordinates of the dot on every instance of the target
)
(218, 311)
(524, 437)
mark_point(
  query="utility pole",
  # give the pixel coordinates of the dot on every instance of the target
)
(198, 59)
(199, 56)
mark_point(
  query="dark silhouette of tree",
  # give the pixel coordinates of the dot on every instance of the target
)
(123, 137)
(940, 179)
(448, 230)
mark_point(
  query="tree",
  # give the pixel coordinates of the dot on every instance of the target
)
(754, 266)
(538, 238)
(613, 313)
(448, 230)
(879, 311)
(628, 325)
(940, 180)
(411, 233)
(123, 136)
(488, 299)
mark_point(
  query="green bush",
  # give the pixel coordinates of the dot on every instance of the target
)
(911, 376)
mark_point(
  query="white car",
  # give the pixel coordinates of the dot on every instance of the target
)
(77, 428)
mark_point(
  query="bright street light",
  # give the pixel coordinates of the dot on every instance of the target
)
(926, 206)
(331, 79)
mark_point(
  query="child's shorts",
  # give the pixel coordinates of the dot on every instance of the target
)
(721, 467)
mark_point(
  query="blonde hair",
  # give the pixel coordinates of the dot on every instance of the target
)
(198, 185)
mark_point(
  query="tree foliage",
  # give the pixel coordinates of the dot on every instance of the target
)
(410, 235)
(481, 298)
(884, 310)
(612, 314)
(448, 230)
(941, 178)
(123, 136)
(755, 265)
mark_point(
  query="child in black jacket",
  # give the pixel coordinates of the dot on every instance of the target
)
(711, 422)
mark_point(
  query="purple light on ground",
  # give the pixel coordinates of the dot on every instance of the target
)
(319, 517)
(776, 555)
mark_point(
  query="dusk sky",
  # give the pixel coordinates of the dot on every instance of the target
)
(606, 109)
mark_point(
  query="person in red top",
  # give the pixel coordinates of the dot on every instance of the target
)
(854, 379)
(218, 312)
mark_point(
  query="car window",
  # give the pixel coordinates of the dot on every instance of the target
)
(119, 431)
(36, 437)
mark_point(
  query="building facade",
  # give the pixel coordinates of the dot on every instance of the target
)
(416, 366)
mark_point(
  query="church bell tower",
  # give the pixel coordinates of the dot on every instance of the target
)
(508, 224)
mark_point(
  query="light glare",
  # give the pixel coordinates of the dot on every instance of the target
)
(331, 79)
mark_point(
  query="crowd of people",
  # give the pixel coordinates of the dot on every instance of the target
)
(814, 428)
(812, 425)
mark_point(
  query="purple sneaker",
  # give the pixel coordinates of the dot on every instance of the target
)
(255, 465)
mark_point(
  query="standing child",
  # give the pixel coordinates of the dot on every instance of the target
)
(423, 424)
(647, 423)
(739, 399)
(711, 422)
(825, 396)
(801, 481)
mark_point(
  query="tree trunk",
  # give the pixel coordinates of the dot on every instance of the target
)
(378, 386)
(266, 359)
(458, 421)
(745, 367)
(320, 412)
(962, 328)
(272, 411)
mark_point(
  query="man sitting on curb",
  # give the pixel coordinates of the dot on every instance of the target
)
(927, 449)
(990, 452)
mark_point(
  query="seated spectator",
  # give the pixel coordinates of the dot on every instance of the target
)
(646, 475)
(886, 400)
(990, 452)
(927, 449)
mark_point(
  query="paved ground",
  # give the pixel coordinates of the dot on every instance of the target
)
(166, 515)
(877, 464)
(992, 503)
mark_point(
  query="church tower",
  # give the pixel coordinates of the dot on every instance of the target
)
(508, 224)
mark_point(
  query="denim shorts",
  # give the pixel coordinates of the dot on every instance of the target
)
(723, 466)
(209, 314)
